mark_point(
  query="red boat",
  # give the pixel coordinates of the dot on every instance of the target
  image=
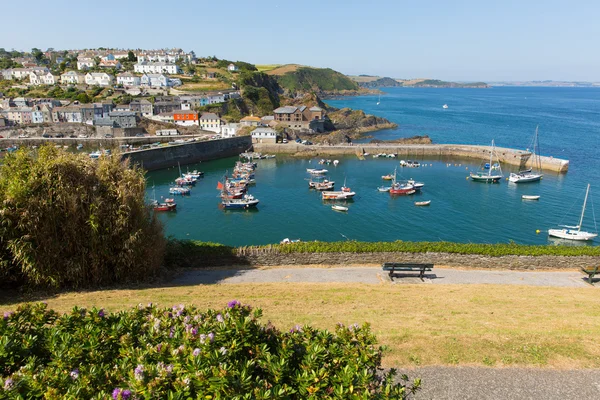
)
(401, 188)
(164, 206)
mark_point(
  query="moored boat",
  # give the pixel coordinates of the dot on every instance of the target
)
(180, 190)
(336, 207)
(489, 176)
(384, 188)
(574, 232)
(530, 197)
(422, 203)
(337, 195)
(316, 171)
(247, 201)
(529, 175)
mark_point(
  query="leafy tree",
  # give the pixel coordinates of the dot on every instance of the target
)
(83, 98)
(131, 56)
(37, 54)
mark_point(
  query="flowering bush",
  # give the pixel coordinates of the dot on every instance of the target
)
(181, 352)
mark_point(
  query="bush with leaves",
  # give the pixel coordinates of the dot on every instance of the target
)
(69, 221)
(181, 352)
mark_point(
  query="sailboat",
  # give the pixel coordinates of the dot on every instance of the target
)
(491, 175)
(167, 206)
(379, 100)
(575, 232)
(533, 174)
(445, 106)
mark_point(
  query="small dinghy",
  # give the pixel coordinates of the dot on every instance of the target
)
(339, 208)
(384, 188)
(422, 203)
(529, 197)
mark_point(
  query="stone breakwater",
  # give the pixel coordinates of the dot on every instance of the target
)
(268, 257)
(446, 152)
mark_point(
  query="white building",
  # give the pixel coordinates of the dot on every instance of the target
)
(210, 122)
(156, 68)
(42, 78)
(264, 135)
(22, 73)
(229, 130)
(99, 79)
(154, 80)
(85, 63)
(72, 78)
(232, 67)
(128, 79)
(167, 132)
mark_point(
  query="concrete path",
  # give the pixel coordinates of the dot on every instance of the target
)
(478, 383)
(374, 275)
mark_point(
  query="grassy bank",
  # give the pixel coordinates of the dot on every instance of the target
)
(486, 325)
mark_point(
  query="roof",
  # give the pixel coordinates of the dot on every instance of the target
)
(315, 109)
(250, 118)
(264, 130)
(184, 112)
(121, 114)
(156, 63)
(285, 110)
(104, 122)
(207, 116)
(126, 75)
(267, 118)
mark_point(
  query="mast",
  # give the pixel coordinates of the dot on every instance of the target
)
(583, 209)
(491, 155)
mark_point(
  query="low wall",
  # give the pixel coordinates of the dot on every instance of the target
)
(167, 156)
(90, 141)
(260, 257)
(446, 152)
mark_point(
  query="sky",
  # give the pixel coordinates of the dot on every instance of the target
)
(461, 40)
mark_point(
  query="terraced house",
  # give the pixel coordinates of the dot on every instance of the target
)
(99, 79)
(72, 78)
(300, 118)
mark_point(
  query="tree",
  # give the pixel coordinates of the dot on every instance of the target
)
(37, 54)
(83, 98)
(69, 221)
(131, 56)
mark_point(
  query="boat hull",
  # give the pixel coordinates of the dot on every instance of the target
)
(524, 178)
(527, 197)
(571, 234)
(486, 178)
(234, 205)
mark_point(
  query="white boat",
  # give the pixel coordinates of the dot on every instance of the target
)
(490, 176)
(530, 175)
(575, 232)
(339, 208)
(379, 100)
(336, 162)
(445, 106)
(416, 185)
(316, 171)
(384, 189)
(530, 197)
(337, 195)
(422, 203)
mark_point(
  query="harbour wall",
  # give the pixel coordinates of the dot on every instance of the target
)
(90, 142)
(167, 156)
(519, 158)
(253, 257)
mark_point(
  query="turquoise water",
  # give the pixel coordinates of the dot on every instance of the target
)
(461, 210)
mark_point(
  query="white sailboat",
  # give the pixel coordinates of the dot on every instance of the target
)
(575, 232)
(445, 106)
(534, 173)
(379, 101)
(491, 176)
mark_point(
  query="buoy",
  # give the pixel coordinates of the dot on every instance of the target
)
(467, 178)
(466, 167)
(506, 178)
(537, 231)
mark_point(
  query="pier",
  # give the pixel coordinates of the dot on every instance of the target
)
(519, 158)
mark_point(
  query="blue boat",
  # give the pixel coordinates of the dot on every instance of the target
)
(248, 201)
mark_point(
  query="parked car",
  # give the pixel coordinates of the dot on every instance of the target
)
(72, 136)
(140, 135)
(46, 135)
(109, 135)
(82, 136)
(1, 137)
(298, 140)
(23, 136)
(60, 135)
(284, 141)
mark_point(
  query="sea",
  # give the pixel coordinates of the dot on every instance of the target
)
(460, 211)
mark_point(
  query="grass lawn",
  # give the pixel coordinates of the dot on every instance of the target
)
(421, 324)
(266, 67)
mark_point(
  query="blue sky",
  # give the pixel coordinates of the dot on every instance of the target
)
(452, 39)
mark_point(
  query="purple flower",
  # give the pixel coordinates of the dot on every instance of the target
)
(194, 331)
(179, 313)
(75, 374)
(171, 332)
(8, 384)
(139, 372)
(233, 303)
(101, 313)
(126, 394)
(296, 328)
(186, 319)
(220, 318)
(211, 337)
(116, 393)
(170, 315)
(159, 347)
(196, 352)
(353, 327)
(6, 315)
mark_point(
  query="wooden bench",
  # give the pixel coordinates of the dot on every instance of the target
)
(591, 272)
(394, 268)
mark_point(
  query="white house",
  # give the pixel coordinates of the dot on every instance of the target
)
(232, 67)
(21, 73)
(210, 122)
(216, 98)
(37, 116)
(99, 79)
(128, 79)
(264, 135)
(229, 130)
(156, 68)
(72, 78)
(42, 78)
(85, 63)
(154, 80)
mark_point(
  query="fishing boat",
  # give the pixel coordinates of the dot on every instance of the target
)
(337, 195)
(336, 207)
(400, 188)
(168, 205)
(345, 188)
(180, 190)
(489, 176)
(325, 185)
(530, 197)
(95, 155)
(412, 164)
(422, 203)
(575, 232)
(529, 175)
(313, 171)
(195, 174)
(246, 202)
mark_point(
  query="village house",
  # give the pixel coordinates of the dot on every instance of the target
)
(22, 73)
(185, 118)
(232, 68)
(250, 121)
(99, 79)
(18, 115)
(166, 106)
(264, 135)
(156, 68)
(300, 118)
(71, 114)
(122, 107)
(210, 122)
(38, 78)
(2, 120)
(41, 114)
(110, 64)
(123, 119)
(72, 78)
(154, 80)
(142, 107)
(84, 63)
(229, 130)
(128, 79)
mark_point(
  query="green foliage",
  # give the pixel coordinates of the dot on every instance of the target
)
(260, 92)
(183, 353)
(131, 56)
(69, 221)
(83, 98)
(316, 79)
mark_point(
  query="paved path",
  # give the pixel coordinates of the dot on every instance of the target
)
(478, 383)
(374, 275)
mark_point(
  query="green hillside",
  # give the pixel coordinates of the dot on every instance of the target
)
(315, 79)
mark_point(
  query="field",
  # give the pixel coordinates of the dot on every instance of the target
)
(267, 67)
(487, 325)
(203, 86)
(283, 69)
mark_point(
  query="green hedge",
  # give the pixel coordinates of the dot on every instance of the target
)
(185, 353)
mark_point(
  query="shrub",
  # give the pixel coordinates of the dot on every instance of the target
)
(67, 220)
(181, 353)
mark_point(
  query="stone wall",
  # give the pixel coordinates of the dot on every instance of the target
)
(266, 257)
